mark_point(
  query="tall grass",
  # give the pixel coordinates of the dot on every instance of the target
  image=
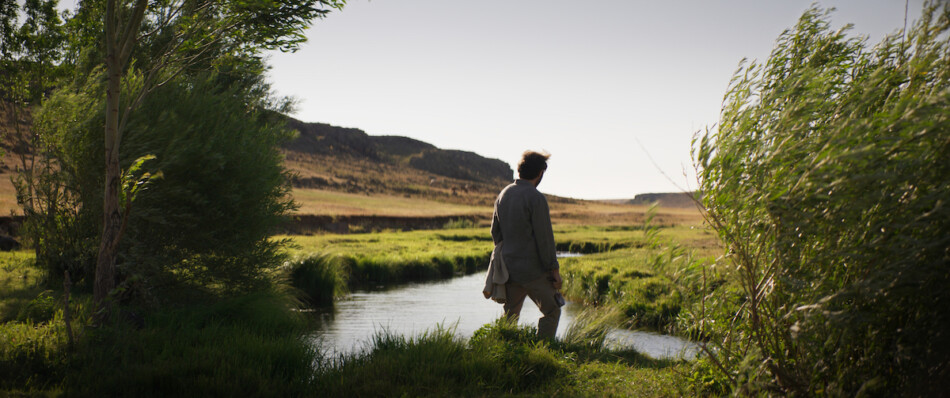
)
(33, 334)
(21, 281)
(650, 281)
(319, 279)
(238, 346)
(245, 346)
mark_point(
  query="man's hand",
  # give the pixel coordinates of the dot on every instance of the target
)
(556, 279)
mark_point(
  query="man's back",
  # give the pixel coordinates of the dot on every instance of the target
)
(522, 220)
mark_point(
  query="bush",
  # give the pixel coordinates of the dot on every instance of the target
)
(63, 233)
(222, 188)
(827, 181)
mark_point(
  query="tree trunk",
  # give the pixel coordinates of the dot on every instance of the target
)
(111, 219)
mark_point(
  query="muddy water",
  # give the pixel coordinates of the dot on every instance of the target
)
(457, 303)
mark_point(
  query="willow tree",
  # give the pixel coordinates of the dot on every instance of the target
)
(148, 44)
(827, 181)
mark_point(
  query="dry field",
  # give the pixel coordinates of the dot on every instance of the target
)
(563, 211)
(336, 203)
(8, 205)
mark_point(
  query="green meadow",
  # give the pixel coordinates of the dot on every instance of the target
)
(646, 272)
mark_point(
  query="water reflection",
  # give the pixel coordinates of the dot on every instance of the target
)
(458, 302)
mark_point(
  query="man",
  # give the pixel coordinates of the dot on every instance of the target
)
(522, 220)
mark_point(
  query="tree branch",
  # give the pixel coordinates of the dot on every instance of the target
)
(130, 35)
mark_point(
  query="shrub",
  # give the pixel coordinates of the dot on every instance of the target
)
(222, 192)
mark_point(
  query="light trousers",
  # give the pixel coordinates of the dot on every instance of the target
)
(542, 292)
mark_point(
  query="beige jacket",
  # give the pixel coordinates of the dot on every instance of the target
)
(496, 277)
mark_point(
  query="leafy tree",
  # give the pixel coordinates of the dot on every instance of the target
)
(827, 180)
(175, 37)
(30, 52)
(213, 140)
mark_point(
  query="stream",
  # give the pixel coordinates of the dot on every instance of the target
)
(455, 303)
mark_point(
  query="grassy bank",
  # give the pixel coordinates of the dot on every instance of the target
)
(649, 273)
(329, 264)
(651, 276)
(326, 266)
(500, 359)
(256, 344)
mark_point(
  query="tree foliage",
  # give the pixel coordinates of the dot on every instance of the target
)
(827, 180)
(222, 187)
(30, 51)
(147, 44)
(179, 82)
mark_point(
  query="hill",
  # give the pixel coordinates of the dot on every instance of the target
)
(666, 199)
(349, 160)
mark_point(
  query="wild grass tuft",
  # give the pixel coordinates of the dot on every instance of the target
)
(590, 327)
(319, 279)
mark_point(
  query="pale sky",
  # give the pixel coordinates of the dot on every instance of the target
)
(584, 81)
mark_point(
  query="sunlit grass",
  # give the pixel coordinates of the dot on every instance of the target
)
(395, 243)
(501, 359)
(20, 282)
(644, 277)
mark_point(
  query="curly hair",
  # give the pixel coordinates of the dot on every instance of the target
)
(532, 164)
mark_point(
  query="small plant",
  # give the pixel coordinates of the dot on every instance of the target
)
(460, 223)
(41, 309)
